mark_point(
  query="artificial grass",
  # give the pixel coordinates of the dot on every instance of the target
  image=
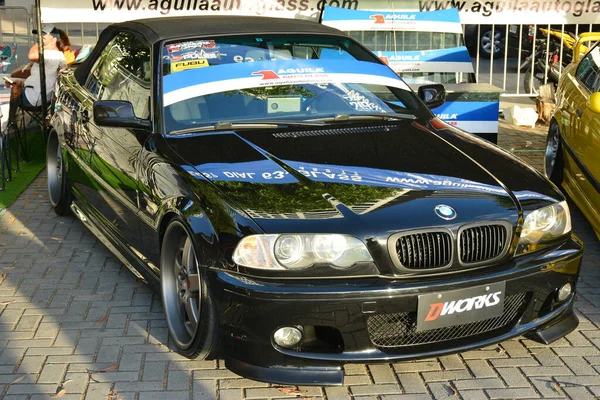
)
(36, 154)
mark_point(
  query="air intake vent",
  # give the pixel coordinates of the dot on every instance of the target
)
(425, 250)
(482, 243)
(395, 331)
(336, 131)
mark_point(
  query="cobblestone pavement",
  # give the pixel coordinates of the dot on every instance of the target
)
(75, 323)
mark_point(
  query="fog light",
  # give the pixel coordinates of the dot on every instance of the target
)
(564, 292)
(288, 336)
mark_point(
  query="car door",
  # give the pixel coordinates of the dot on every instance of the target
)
(122, 72)
(70, 97)
(584, 133)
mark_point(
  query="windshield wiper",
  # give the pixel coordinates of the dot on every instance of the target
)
(358, 117)
(254, 124)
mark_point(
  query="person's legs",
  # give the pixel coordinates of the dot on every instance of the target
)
(17, 93)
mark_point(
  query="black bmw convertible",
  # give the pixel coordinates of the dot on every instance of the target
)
(297, 205)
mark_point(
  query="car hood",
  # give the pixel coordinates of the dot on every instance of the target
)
(359, 177)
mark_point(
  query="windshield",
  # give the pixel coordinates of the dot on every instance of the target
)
(276, 78)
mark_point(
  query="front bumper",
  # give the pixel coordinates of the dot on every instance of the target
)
(373, 319)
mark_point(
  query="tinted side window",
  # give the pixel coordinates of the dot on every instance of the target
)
(588, 71)
(123, 72)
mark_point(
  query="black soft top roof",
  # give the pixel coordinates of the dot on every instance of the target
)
(157, 29)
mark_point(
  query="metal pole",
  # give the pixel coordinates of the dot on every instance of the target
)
(321, 11)
(38, 11)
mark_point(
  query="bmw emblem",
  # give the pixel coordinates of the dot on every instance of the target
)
(445, 212)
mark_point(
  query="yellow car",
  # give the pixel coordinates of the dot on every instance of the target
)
(572, 157)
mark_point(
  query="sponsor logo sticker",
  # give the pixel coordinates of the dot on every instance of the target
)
(183, 65)
(405, 58)
(283, 73)
(447, 116)
(459, 307)
(381, 19)
(291, 76)
(194, 55)
(197, 44)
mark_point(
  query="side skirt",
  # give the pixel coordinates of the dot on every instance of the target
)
(126, 256)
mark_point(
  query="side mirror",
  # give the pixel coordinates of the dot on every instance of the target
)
(118, 114)
(595, 103)
(432, 95)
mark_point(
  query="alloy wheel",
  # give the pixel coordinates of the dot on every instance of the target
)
(181, 289)
(487, 40)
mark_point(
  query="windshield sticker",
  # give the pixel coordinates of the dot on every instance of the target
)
(212, 54)
(185, 65)
(190, 84)
(196, 44)
(284, 104)
(361, 103)
(292, 76)
(194, 55)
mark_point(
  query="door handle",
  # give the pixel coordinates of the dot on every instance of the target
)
(579, 112)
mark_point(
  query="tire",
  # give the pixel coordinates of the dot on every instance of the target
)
(531, 82)
(485, 43)
(59, 191)
(189, 309)
(553, 160)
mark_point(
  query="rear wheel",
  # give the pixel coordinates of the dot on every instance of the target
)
(491, 38)
(554, 163)
(189, 309)
(58, 188)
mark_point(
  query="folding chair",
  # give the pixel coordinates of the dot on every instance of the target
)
(25, 117)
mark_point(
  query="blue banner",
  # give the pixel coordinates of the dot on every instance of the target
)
(344, 14)
(361, 20)
(455, 59)
(477, 117)
(453, 54)
(468, 111)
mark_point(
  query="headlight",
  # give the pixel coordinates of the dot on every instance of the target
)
(300, 251)
(545, 224)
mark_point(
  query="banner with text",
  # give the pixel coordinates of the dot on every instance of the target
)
(123, 10)
(455, 59)
(446, 21)
(471, 11)
(431, 57)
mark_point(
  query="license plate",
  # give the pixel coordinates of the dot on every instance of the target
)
(457, 307)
